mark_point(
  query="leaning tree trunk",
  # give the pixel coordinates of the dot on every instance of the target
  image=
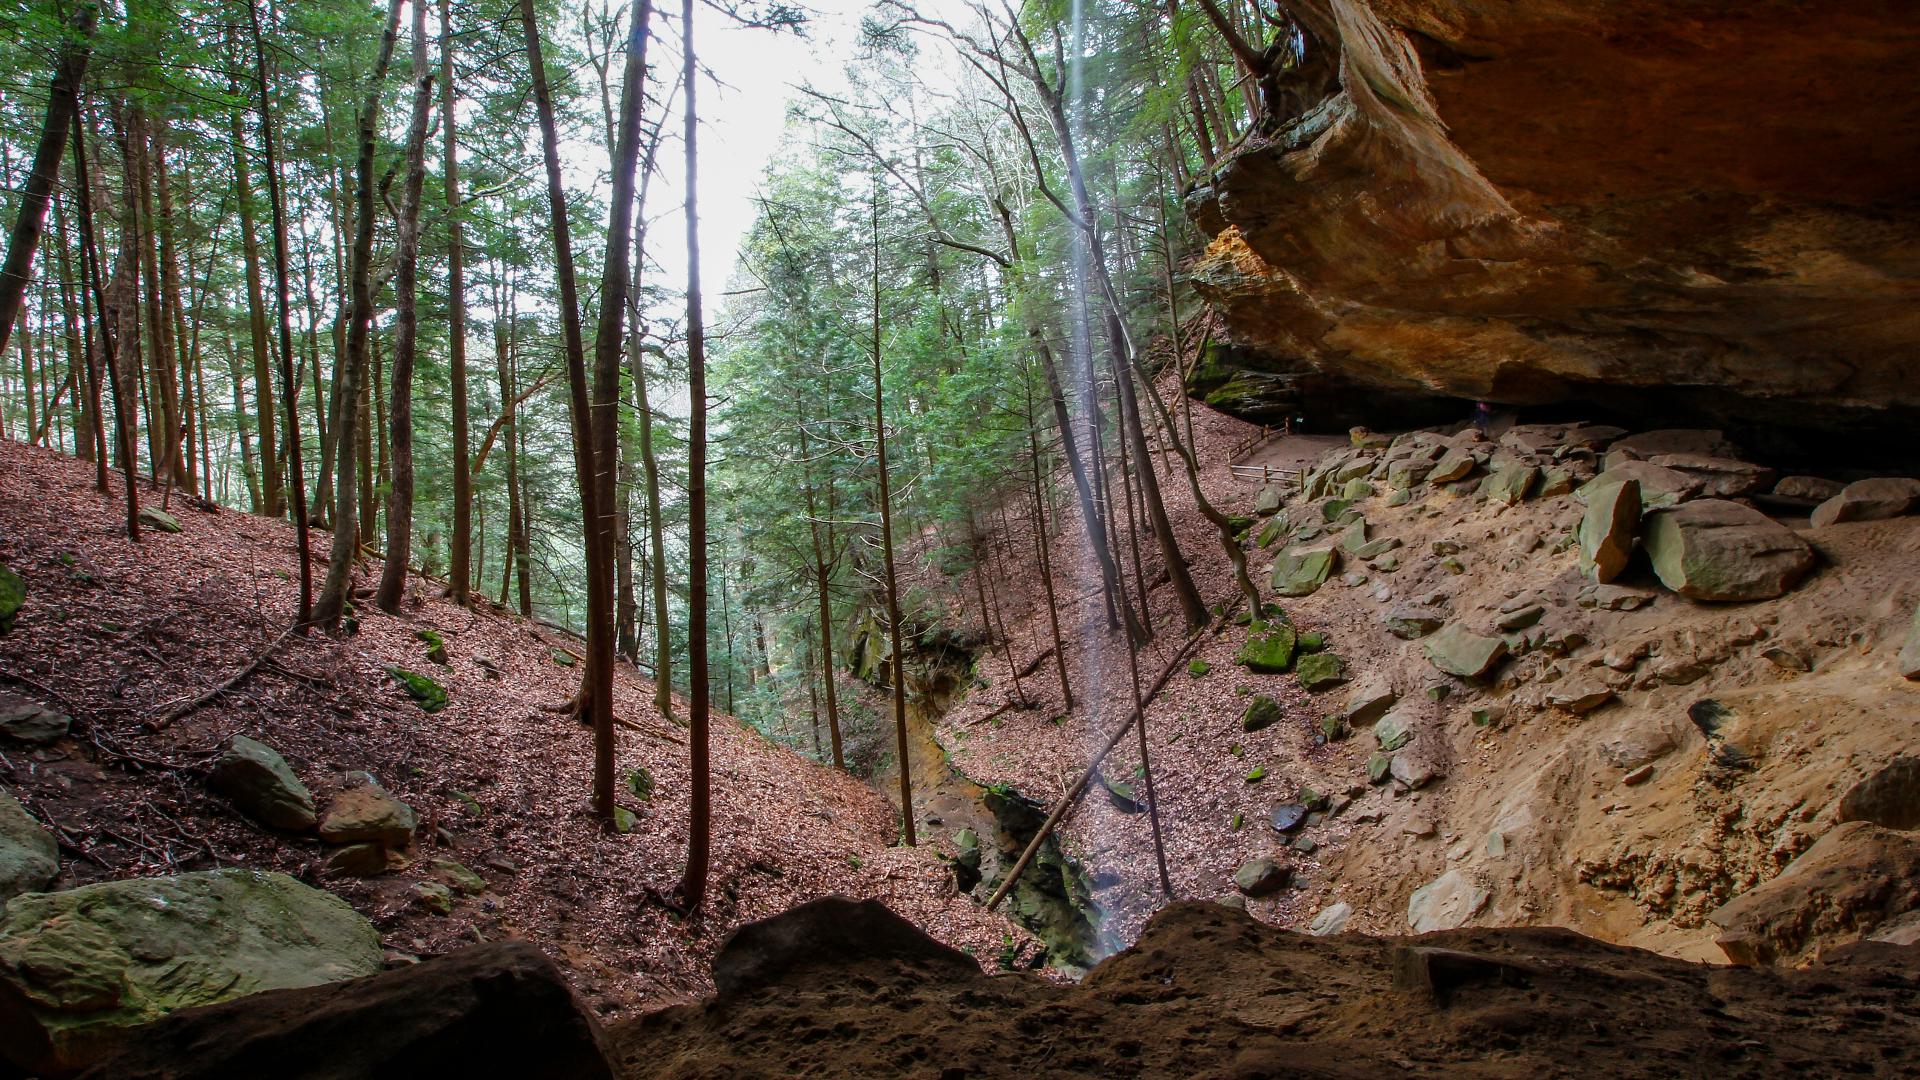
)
(393, 575)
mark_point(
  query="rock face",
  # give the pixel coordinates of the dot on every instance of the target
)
(1472, 207)
(1445, 903)
(500, 1009)
(29, 857)
(1719, 550)
(77, 968)
(1889, 797)
(1850, 881)
(262, 785)
(1909, 660)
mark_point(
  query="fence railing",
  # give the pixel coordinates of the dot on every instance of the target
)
(1288, 479)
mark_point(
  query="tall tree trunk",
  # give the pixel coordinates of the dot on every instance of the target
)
(109, 350)
(272, 497)
(899, 673)
(1041, 546)
(460, 552)
(348, 382)
(823, 582)
(693, 884)
(63, 106)
(393, 576)
(173, 314)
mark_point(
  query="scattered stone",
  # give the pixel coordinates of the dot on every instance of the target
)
(1446, 903)
(1453, 465)
(357, 860)
(13, 593)
(624, 820)
(1626, 657)
(1301, 571)
(1787, 659)
(261, 785)
(1909, 660)
(1458, 651)
(1719, 477)
(497, 1009)
(1378, 767)
(159, 520)
(1414, 622)
(1888, 797)
(1356, 490)
(1387, 564)
(1289, 816)
(1320, 671)
(1198, 668)
(29, 855)
(1526, 542)
(1400, 498)
(1616, 598)
(1607, 530)
(1261, 713)
(1262, 877)
(1415, 769)
(1331, 920)
(1719, 550)
(1578, 697)
(433, 896)
(1659, 485)
(1497, 844)
(1267, 502)
(1488, 715)
(1375, 548)
(428, 694)
(1679, 671)
(1442, 548)
(1812, 489)
(1406, 472)
(1420, 827)
(368, 814)
(1636, 777)
(1353, 579)
(460, 877)
(1869, 500)
(1312, 641)
(1453, 565)
(1269, 653)
(31, 722)
(1522, 618)
(1273, 530)
(436, 645)
(1511, 482)
(562, 657)
(82, 966)
(1369, 701)
(1555, 483)
(1394, 730)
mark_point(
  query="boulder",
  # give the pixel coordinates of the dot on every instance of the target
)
(1637, 746)
(1403, 474)
(13, 593)
(1704, 441)
(1331, 920)
(1416, 767)
(1869, 500)
(29, 856)
(1607, 530)
(1445, 903)
(1301, 571)
(1287, 817)
(1578, 696)
(159, 520)
(79, 968)
(367, 814)
(1266, 502)
(1719, 477)
(1909, 659)
(1320, 671)
(357, 860)
(1261, 877)
(1888, 797)
(1854, 878)
(1510, 482)
(1393, 731)
(1414, 621)
(1807, 488)
(423, 689)
(1719, 550)
(260, 784)
(498, 1009)
(1269, 652)
(1369, 701)
(1659, 485)
(1453, 465)
(1521, 618)
(1458, 651)
(30, 721)
(1261, 713)
(830, 935)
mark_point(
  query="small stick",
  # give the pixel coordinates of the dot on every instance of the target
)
(166, 721)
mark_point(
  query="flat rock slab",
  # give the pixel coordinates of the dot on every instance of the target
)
(29, 856)
(1446, 903)
(1261, 877)
(1869, 500)
(1719, 550)
(1459, 651)
(499, 1009)
(81, 967)
(30, 721)
(368, 815)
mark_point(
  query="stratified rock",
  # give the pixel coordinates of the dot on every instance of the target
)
(1851, 880)
(159, 520)
(13, 593)
(1446, 903)
(1607, 530)
(79, 968)
(1659, 485)
(1869, 500)
(1269, 652)
(1706, 442)
(499, 1009)
(30, 721)
(1719, 477)
(1807, 488)
(1578, 696)
(367, 814)
(1261, 713)
(1718, 550)
(1331, 920)
(262, 786)
(1301, 571)
(1368, 701)
(1320, 671)
(1459, 651)
(1261, 877)
(29, 856)
(1909, 659)
(1889, 797)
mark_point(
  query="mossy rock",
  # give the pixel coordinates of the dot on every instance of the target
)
(640, 783)
(1272, 531)
(436, 645)
(1320, 671)
(624, 820)
(1240, 524)
(1256, 774)
(431, 696)
(13, 593)
(1198, 668)
(1311, 642)
(463, 880)
(159, 520)
(1269, 652)
(562, 657)
(1261, 713)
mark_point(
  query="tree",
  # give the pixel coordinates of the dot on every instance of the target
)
(898, 669)
(693, 884)
(460, 548)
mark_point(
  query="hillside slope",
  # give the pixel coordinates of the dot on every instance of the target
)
(115, 634)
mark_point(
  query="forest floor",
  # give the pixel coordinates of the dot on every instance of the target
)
(116, 634)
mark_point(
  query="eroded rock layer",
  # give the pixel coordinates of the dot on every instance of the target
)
(1695, 208)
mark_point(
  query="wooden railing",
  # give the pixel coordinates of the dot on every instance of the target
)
(1288, 479)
